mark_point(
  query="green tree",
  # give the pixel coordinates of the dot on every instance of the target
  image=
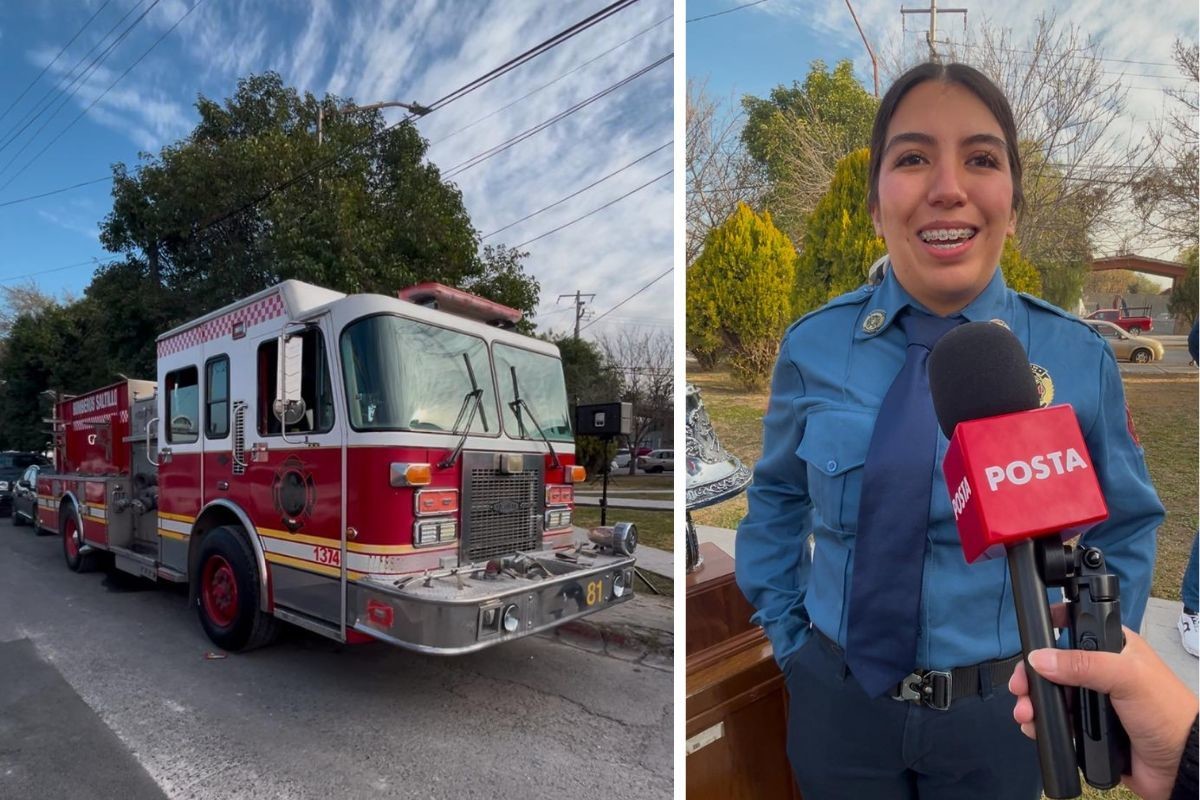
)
(590, 378)
(203, 223)
(1186, 294)
(839, 241)
(739, 294)
(1019, 272)
(798, 134)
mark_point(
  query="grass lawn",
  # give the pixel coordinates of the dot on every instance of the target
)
(1164, 414)
(631, 483)
(655, 528)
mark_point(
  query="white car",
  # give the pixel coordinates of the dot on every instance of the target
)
(657, 461)
(620, 462)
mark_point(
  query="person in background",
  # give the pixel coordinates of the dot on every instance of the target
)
(895, 651)
(1157, 710)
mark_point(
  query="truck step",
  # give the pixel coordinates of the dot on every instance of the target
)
(299, 618)
(135, 563)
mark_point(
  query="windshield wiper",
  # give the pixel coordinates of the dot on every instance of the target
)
(516, 405)
(469, 409)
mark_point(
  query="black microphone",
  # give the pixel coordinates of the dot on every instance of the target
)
(976, 371)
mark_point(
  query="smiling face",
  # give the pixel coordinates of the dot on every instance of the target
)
(945, 195)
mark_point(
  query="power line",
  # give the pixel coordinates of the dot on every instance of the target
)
(726, 11)
(53, 191)
(90, 261)
(668, 271)
(54, 60)
(513, 63)
(76, 81)
(594, 210)
(100, 97)
(479, 158)
(1081, 55)
(527, 95)
(579, 192)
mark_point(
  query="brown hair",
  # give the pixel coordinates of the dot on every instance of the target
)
(970, 79)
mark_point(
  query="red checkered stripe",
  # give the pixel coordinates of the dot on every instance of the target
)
(259, 311)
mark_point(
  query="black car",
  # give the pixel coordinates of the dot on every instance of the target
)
(24, 497)
(12, 466)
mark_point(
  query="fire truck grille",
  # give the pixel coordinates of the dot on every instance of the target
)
(504, 514)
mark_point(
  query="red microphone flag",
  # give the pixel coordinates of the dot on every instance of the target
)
(1020, 476)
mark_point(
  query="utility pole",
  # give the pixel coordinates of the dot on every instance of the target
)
(933, 11)
(579, 306)
(870, 52)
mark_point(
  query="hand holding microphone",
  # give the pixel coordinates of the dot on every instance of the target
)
(1021, 483)
(1155, 707)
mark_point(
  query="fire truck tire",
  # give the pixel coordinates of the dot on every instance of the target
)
(227, 596)
(18, 520)
(76, 561)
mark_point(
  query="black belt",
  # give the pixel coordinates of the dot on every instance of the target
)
(939, 688)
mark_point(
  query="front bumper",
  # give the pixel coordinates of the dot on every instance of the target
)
(455, 612)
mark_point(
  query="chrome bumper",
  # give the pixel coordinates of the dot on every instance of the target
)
(455, 612)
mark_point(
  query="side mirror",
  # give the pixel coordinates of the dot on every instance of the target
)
(289, 405)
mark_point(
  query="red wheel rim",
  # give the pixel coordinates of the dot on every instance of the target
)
(218, 591)
(72, 546)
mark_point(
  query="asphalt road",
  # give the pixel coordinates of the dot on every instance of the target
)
(106, 691)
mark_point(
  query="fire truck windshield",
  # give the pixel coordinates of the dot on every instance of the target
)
(539, 387)
(402, 374)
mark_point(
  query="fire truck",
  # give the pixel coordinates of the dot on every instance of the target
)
(363, 466)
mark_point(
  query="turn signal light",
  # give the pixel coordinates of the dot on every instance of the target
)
(410, 475)
(575, 474)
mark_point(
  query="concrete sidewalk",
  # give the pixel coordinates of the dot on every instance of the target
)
(1158, 624)
(641, 630)
(625, 502)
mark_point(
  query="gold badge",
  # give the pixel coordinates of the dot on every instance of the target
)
(1045, 386)
(1001, 323)
(873, 322)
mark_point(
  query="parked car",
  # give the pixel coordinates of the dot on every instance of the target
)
(657, 461)
(620, 462)
(12, 465)
(1139, 349)
(24, 497)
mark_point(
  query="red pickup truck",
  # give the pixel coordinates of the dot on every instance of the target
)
(1134, 324)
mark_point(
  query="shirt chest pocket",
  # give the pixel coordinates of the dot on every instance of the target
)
(834, 448)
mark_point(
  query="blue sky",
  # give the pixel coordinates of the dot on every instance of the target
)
(408, 50)
(754, 49)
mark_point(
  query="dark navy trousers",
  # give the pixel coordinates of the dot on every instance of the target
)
(843, 744)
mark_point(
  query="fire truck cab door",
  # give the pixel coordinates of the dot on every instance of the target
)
(288, 476)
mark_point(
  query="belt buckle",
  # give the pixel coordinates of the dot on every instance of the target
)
(930, 688)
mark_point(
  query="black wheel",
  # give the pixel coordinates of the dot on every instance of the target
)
(659, 468)
(1140, 356)
(78, 559)
(18, 520)
(227, 594)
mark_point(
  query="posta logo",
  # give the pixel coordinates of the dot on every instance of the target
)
(1038, 468)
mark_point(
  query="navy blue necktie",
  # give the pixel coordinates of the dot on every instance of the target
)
(893, 517)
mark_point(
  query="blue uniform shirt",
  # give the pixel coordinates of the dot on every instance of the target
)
(834, 367)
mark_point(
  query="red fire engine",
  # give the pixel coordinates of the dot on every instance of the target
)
(361, 466)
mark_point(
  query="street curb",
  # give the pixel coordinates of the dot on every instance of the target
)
(633, 643)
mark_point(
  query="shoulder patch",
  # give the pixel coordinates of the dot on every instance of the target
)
(856, 297)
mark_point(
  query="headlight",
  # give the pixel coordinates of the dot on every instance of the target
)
(3, 486)
(618, 584)
(558, 518)
(512, 619)
(434, 531)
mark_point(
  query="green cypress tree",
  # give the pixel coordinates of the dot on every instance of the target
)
(839, 240)
(738, 295)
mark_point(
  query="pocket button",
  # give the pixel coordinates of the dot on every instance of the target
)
(831, 466)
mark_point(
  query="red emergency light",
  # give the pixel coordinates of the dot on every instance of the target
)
(460, 303)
